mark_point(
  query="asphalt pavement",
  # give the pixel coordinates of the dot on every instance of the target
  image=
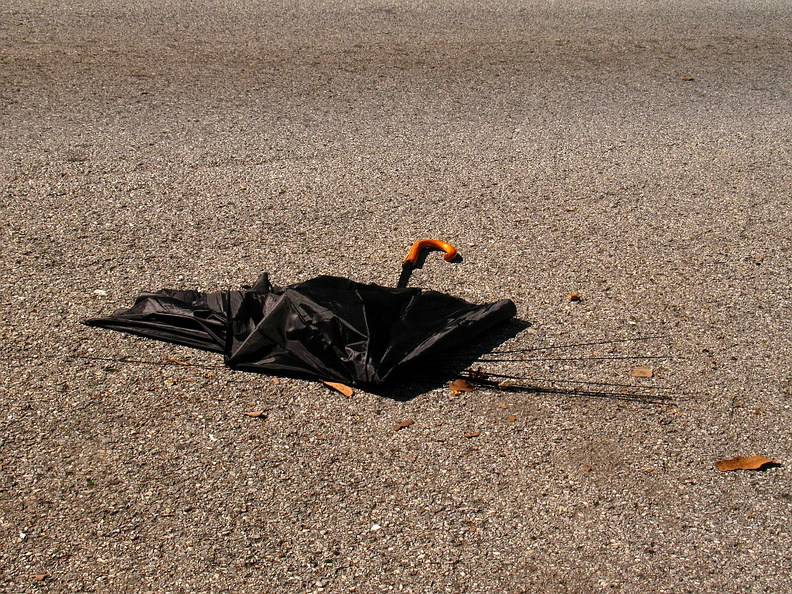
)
(635, 153)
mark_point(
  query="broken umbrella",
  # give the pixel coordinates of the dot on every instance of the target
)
(327, 328)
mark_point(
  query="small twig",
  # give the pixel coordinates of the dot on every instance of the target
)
(172, 360)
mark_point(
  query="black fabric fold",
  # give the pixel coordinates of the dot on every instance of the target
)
(327, 328)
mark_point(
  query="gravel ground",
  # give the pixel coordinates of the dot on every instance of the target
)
(635, 152)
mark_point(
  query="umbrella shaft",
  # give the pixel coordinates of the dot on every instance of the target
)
(404, 278)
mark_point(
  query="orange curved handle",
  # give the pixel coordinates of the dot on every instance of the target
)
(430, 244)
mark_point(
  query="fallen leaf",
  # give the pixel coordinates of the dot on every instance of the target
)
(641, 372)
(403, 424)
(687, 78)
(255, 414)
(474, 434)
(343, 388)
(458, 386)
(501, 405)
(40, 577)
(586, 468)
(739, 463)
(574, 296)
(512, 418)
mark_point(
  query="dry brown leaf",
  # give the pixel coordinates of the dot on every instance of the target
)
(474, 434)
(686, 78)
(403, 424)
(343, 388)
(586, 468)
(512, 418)
(501, 405)
(40, 577)
(574, 296)
(458, 386)
(739, 463)
(255, 414)
(641, 372)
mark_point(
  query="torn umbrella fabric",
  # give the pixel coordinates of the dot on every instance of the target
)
(327, 328)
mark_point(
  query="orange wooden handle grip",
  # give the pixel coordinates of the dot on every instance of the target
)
(430, 244)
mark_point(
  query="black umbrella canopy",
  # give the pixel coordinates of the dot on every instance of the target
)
(327, 328)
